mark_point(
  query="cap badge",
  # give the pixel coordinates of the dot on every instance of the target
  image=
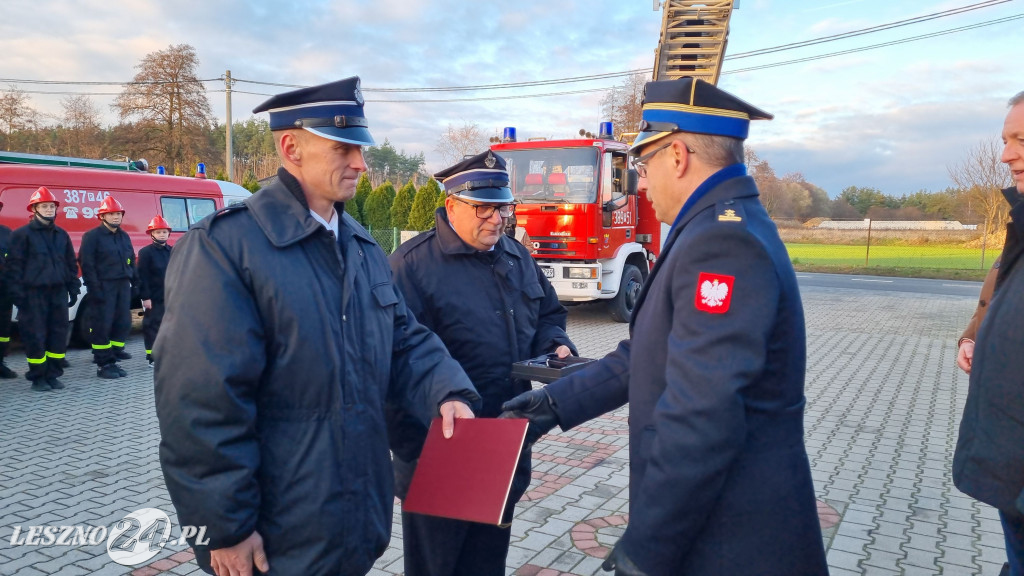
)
(357, 93)
(489, 161)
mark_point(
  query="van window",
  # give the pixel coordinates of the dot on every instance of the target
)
(181, 213)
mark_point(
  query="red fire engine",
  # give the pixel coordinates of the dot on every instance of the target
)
(592, 234)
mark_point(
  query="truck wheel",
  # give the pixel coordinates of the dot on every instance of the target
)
(621, 307)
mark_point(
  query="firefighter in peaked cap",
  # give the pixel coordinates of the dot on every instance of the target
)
(152, 267)
(482, 293)
(42, 279)
(283, 342)
(719, 482)
(108, 267)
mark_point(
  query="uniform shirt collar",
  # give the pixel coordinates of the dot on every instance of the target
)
(331, 225)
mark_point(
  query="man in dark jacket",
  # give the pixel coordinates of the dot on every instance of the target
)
(719, 481)
(43, 283)
(989, 460)
(484, 296)
(283, 342)
(153, 261)
(6, 306)
(108, 267)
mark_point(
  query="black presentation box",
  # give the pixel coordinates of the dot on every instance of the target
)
(548, 368)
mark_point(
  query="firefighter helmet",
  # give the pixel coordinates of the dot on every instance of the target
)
(158, 223)
(109, 206)
(39, 196)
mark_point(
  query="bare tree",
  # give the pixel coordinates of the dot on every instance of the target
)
(167, 95)
(15, 113)
(982, 176)
(457, 142)
(80, 127)
(623, 105)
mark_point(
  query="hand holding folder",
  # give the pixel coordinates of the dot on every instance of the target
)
(467, 476)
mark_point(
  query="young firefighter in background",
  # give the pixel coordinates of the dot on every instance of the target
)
(5, 302)
(42, 279)
(108, 267)
(152, 263)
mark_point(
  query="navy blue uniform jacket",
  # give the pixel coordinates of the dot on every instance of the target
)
(719, 479)
(489, 308)
(278, 352)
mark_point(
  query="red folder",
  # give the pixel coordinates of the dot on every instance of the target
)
(467, 476)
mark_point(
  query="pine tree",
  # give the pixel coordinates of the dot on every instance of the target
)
(352, 209)
(402, 206)
(421, 217)
(363, 189)
(377, 210)
(441, 195)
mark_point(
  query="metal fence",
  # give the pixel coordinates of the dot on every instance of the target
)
(388, 238)
(860, 243)
(890, 244)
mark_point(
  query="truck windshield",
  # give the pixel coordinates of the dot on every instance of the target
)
(553, 175)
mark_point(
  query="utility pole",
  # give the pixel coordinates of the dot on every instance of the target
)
(228, 154)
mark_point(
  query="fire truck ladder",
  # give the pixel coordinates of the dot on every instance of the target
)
(693, 39)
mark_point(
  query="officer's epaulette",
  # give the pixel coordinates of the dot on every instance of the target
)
(729, 211)
(206, 222)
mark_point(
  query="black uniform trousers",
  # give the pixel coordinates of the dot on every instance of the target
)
(436, 546)
(6, 308)
(110, 320)
(43, 324)
(151, 325)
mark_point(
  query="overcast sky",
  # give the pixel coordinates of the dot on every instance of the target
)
(891, 118)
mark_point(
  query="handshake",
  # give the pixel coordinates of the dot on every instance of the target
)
(537, 407)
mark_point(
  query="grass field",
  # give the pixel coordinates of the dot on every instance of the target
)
(949, 257)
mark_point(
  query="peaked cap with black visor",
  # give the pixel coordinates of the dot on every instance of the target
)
(333, 111)
(483, 178)
(693, 105)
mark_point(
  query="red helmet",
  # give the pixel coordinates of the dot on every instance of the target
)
(158, 223)
(109, 206)
(39, 196)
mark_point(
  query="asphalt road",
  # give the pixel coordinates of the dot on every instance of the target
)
(915, 285)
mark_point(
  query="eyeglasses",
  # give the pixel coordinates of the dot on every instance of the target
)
(485, 211)
(640, 163)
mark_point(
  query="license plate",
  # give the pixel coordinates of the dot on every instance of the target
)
(580, 285)
(549, 272)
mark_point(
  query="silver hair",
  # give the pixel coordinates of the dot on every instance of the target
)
(717, 151)
(1018, 99)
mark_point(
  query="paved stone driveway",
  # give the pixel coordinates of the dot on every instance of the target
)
(884, 401)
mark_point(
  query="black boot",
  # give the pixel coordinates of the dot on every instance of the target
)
(120, 354)
(5, 372)
(40, 386)
(64, 363)
(55, 384)
(109, 372)
(120, 370)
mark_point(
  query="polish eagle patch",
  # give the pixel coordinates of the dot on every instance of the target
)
(714, 292)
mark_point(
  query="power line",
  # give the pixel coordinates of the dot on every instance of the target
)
(571, 79)
(871, 30)
(880, 45)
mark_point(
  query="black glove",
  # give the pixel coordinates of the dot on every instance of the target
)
(537, 406)
(621, 563)
(72, 298)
